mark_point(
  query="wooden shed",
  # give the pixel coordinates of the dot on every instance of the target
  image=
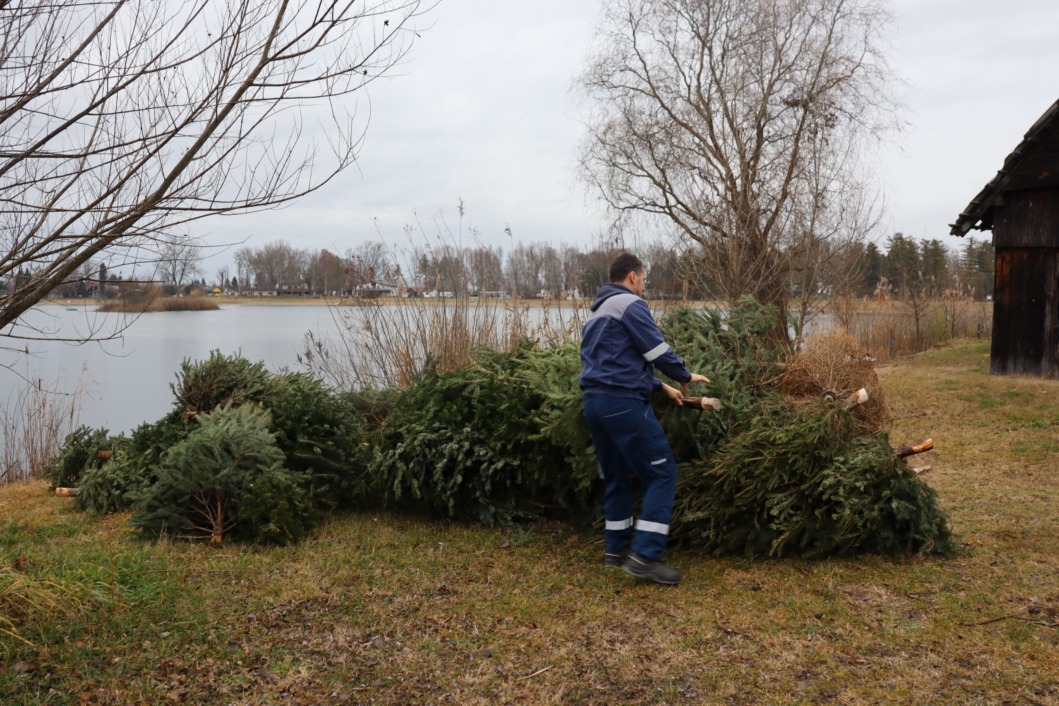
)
(1021, 207)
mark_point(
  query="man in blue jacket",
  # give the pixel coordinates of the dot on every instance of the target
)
(619, 346)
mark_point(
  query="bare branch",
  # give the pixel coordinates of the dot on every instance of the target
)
(730, 120)
(123, 120)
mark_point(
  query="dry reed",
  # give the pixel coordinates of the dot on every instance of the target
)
(888, 328)
(386, 343)
(33, 426)
(138, 305)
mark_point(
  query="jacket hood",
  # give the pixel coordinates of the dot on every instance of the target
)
(607, 291)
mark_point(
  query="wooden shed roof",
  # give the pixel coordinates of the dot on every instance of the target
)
(1033, 164)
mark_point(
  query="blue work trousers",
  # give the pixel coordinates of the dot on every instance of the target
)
(629, 440)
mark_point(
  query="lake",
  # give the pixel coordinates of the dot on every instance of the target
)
(126, 380)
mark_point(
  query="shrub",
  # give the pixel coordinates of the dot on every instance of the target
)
(114, 486)
(770, 477)
(803, 482)
(320, 437)
(505, 439)
(739, 353)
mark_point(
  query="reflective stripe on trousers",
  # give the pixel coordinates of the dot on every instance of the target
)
(629, 440)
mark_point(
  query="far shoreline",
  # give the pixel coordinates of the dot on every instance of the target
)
(225, 300)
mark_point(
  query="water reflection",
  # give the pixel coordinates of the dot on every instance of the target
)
(127, 379)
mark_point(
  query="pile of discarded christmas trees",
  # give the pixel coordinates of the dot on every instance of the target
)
(795, 462)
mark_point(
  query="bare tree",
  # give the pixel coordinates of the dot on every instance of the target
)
(524, 264)
(485, 268)
(244, 268)
(326, 273)
(450, 272)
(370, 262)
(918, 296)
(178, 262)
(277, 263)
(708, 111)
(594, 270)
(551, 271)
(120, 120)
(828, 228)
(224, 274)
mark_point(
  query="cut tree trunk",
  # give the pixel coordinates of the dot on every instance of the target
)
(911, 449)
(858, 397)
(703, 403)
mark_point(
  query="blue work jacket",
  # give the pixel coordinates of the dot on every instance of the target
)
(620, 344)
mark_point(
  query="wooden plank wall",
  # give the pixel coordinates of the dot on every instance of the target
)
(1027, 219)
(1026, 312)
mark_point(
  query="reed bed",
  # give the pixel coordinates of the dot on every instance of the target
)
(385, 344)
(33, 425)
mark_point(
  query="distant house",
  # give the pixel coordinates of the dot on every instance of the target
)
(1021, 207)
(292, 288)
(375, 289)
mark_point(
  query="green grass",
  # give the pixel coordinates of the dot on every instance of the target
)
(379, 608)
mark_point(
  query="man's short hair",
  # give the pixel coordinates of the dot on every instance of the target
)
(624, 264)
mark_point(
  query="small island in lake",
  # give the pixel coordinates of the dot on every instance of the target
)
(146, 304)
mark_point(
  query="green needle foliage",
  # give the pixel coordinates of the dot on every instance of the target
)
(83, 450)
(226, 477)
(318, 434)
(120, 482)
(203, 385)
(801, 482)
(767, 477)
(477, 443)
(504, 439)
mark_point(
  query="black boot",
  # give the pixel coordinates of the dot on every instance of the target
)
(636, 565)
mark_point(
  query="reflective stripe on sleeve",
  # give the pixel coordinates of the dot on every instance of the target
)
(655, 352)
(656, 527)
(613, 525)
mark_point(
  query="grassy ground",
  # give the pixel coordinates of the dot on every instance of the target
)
(385, 609)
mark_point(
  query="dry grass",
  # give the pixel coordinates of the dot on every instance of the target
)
(381, 343)
(888, 328)
(385, 609)
(149, 303)
(33, 425)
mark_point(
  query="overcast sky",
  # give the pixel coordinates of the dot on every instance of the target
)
(483, 111)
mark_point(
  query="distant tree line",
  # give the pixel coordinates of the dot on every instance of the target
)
(903, 268)
(541, 270)
(927, 268)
